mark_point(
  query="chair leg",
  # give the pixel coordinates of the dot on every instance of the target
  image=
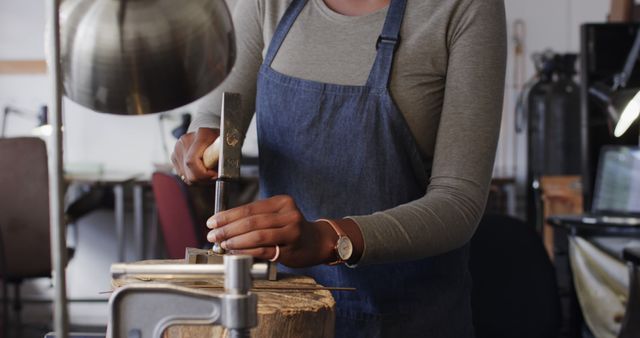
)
(17, 308)
(631, 322)
(5, 291)
(5, 310)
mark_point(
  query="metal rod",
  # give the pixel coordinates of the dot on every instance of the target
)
(138, 212)
(5, 291)
(261, 288)
(623, 77)
(221, 196)
(220, 205)
(239, 333)
(58, 232)
(118, 193)
(258, 270)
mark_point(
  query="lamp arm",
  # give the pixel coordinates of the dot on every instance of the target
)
(8, 110)
(19, 112)
(620, 79)
(5, 112)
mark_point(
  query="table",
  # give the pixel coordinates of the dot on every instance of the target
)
(117, 180)
(599, 276)
(577, 226)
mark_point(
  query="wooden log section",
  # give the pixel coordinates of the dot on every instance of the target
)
(293, 306)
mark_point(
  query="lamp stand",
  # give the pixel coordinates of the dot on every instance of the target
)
(56, 213)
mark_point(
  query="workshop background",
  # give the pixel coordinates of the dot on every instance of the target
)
(130, 149)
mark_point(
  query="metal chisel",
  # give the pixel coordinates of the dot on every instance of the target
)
(230, 146)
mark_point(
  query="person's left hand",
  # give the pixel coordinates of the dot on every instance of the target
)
(256, 228)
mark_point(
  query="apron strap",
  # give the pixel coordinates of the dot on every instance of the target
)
(283, 28)
(386, 45)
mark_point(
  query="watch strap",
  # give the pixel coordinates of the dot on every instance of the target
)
(334, 225)
(340, 233)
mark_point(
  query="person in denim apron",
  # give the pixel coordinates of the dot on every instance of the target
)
(328, 151)
(353, 137)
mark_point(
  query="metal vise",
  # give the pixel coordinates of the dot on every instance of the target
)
(146, 311)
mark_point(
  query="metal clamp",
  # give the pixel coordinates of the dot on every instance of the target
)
(147, 310)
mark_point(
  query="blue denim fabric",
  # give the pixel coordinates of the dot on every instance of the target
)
(346, 150)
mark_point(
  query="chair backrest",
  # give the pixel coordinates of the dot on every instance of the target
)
(24, 208)
(514, 291)
(181, 226)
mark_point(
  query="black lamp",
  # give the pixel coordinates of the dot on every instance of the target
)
(622, 104)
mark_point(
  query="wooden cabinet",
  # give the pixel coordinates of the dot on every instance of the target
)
(561, 195)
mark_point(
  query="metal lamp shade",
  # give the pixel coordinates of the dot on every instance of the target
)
(621, 106)
(134, 57)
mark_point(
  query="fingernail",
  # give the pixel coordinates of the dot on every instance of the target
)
(211, 223)
(211, 236)
(224, 245)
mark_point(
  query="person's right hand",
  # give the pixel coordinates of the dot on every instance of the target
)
(187, 157)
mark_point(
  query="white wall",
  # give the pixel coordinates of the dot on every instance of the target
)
(133, 143)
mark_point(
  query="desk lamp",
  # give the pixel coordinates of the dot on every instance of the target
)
(127, 57)
(618, 96)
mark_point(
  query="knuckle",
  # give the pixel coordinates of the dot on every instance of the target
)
(220, 218)
(296, 217)
(221, 233)
(262, 251)
(229, 244)
(261, 237)
(186, 138)
(189, 176)
(287, 199)
(296, 234)
(251, 223)
(283, 199)
(247, 210)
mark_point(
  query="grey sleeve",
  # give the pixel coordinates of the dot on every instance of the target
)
(247, 19)
(447, 216)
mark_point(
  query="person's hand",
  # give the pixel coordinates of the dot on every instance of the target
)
(188, 152)
(256, 228)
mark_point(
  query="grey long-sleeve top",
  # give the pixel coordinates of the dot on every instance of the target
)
(447, 80)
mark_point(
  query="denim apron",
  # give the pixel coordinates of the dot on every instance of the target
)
(346, 150)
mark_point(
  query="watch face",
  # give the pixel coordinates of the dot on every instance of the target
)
(344, 248)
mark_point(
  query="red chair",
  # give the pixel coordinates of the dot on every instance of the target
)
(180, 211)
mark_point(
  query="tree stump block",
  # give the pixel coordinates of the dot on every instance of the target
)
(292, 306)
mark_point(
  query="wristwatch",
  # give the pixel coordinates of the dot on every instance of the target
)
(343, 247)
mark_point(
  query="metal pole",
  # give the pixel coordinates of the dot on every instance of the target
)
(58, 231)
(256, 271)
(220, 205)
